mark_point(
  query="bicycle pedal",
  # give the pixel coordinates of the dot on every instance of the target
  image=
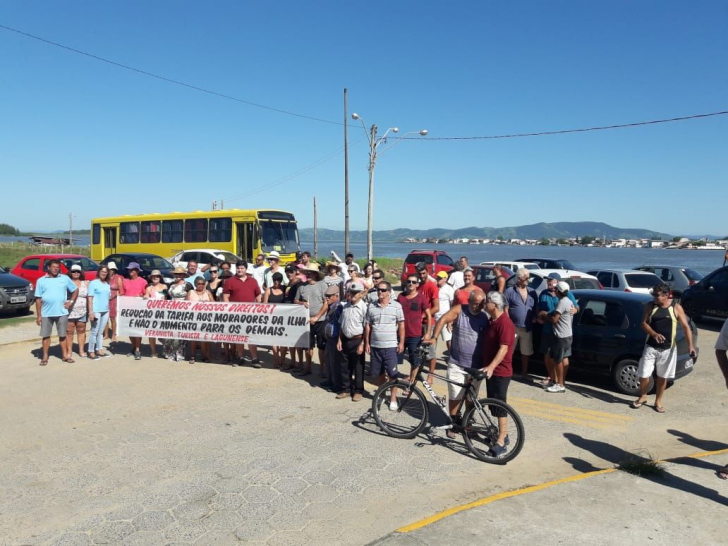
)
(443, 427)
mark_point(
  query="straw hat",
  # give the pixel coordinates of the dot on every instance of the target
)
(179, 271)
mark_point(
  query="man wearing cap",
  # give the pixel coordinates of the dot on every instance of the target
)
(312, 295)
(660, 322)
(243, 288)
(547, 302)
(259, 269)
(135, 287)
(332, 355)
(51, 307)
(351, 342)
(446, 297)
(384, 337)
(463, 293)
(520, 304)
(559, 349)
(274, 259)
(428, 288)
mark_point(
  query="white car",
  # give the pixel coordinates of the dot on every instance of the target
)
(577, 280)
(514, 266)
(203, 257)
(627, 280)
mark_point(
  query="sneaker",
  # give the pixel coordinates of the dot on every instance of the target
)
(94, 357)
(342, 395)
(356, 397)
(106, 355)
(257, 364)
(137, 355)
(498, 450)
(393, 406)
(234, 362)
(555, 388)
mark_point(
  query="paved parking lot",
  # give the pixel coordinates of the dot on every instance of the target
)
(153, 452)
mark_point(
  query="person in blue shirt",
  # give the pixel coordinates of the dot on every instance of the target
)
(52, 303)
(99, 293)
(193, 272)
(547, 302)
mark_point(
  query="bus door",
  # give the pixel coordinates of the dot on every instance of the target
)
(109, 240)
(247, 241)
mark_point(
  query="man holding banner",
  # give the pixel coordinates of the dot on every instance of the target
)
(243, 289)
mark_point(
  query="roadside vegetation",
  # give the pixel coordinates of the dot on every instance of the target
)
(641, 465)
(11, 253)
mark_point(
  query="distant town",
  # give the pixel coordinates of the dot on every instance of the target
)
(675, 243)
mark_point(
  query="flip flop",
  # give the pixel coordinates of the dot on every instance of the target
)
(659, 409)
(69, 360)
(636, 404)
(722, 473)
(43, 363)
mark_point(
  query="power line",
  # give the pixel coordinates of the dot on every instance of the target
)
(295, 174)
(566, 131)
(169, 80)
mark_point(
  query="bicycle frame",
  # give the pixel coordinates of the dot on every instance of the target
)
(440, 402)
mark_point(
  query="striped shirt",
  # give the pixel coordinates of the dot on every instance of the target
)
(352, 319)
(384, 324)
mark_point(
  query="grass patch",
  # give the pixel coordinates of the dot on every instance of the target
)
(642, 466)
(10, 320)
(12, 253)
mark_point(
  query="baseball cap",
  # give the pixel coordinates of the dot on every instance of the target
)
(562, 286)
(442, 275)
(76, 267)
(554, 275)
(331, 290)
(356, 287)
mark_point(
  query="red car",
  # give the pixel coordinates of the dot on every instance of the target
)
(31, 268)
(484, 276)
(436, 260)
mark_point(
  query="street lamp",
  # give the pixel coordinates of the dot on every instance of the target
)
(374, 143)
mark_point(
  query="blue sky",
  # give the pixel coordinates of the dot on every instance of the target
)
(84, 137)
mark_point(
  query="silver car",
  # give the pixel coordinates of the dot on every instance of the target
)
(628, 280)
(676, 277)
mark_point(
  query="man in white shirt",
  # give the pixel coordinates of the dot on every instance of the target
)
(447, 295)
(258, 270)
(456, 276)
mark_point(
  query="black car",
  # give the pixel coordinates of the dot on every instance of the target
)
(608, 337)
(147, 262)
(709, 297)
(16, 294)
(546, 263)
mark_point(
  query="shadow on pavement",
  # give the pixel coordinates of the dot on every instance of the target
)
(705, 445)
(616, 455)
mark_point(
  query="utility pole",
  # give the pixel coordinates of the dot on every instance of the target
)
(315, 231)
(370, 209)
(70, 229)
(346, 179)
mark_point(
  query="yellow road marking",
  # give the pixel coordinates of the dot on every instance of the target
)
(566, 419)
(517, 492)
(585, 412)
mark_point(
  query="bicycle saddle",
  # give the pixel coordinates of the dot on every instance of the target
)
(475, 373)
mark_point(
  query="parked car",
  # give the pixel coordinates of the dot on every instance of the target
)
(203, 257)
(484, 276)
(16, 293)
(436, 260)
(547, 263)
(147, 262)
(513, 266)
(575, 279)
(608, 337)
(33, 267)
(708, 297)
(676, 277)
(626, 280)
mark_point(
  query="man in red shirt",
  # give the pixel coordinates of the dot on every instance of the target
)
(498, 344)
(414, 307)
(244, 289)
(428, 288)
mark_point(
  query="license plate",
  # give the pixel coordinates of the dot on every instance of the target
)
(18, 299)
(688, 363)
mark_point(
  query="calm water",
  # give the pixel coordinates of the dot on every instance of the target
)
(583, 258)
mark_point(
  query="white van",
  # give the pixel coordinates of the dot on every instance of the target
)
(513, 266)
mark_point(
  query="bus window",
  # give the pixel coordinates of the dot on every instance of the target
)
(129, 232)
(196, 230)
(151, 232)
(96, 235)
(172, 231)
(279, 236)
(221, 230)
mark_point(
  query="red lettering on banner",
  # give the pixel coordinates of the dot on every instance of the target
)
(168, 304)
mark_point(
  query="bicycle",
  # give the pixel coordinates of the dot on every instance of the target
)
(477, 420)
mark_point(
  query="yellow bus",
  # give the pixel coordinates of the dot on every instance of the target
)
(245, 233)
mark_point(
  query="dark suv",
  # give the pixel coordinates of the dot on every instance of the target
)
(147, 262)
(436, 260)
(709, 297)
(16, 293)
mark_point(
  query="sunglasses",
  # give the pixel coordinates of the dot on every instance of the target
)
(413, 282)
(382, 289)
(377, 278)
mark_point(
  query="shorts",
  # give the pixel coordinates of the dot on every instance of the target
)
(546, 340)
(410, 349)
(384, 360)
(662, 360)
(456, 373)
(431, 349)
(524, 341)
(497, 388)
(46, 326)
(446, 334)
(316, 337)
(560, 348)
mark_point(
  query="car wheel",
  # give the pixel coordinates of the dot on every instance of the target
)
(625, 378)
(22, 311)
(689, 308)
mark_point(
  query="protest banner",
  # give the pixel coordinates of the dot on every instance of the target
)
(257, 323)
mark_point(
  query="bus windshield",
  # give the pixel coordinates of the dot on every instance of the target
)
(279, 236)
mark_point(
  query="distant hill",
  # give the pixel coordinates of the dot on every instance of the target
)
(532, 231)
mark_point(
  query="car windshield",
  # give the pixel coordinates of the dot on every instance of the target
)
(85, 263)
(415, 258)
(565, 264)
(692, 275)
(149, 263)
(228, 257)
(278, 236)
(2, 270)
(583, 284)
(641, 280)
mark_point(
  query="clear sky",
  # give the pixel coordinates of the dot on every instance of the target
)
(84, 137)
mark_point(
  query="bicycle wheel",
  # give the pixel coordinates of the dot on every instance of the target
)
(480, 430)
(408, 418)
